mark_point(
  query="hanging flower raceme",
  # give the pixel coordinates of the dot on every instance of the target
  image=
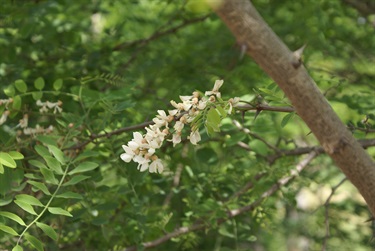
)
(193, 110)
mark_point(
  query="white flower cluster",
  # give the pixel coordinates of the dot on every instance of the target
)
(49, 105)
(141, 149)
(4, 116)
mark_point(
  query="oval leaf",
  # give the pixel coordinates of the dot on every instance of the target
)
(28, 199)
(17, 103)
(57, 84)
(13, 217)
(7, 160)
(39, 83)
(17, 248)
(16, 155)
(20, 85)
(84, 167)
(8, 230)
(37, 95)
(48, 230)
(60, 211)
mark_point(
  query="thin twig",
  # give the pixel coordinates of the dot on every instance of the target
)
(176, 182)
(158, 34)
(199, 225)
(326, 219)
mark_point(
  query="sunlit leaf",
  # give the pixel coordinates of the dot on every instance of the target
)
(26, 207)
(17, 248)
(7, 160)
(28, 199)
(16, 155)
(60, 211)
(13, 217)
(8, 230)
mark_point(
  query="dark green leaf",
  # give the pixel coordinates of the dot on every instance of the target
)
(39, 186)
(49, 176)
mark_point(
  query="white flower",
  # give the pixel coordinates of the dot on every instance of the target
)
(4, 117)
(215, 90)
(179, 126)
(128, 155)
(142, 162)
(176, 138)
(195, 137)
(233, 102)
(156, 166)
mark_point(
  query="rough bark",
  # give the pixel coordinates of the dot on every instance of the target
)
(286, 69)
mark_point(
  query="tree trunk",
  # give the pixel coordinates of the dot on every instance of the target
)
(286, 69)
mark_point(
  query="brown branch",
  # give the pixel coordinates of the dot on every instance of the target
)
(287, 70)
(364, 7)
(262, 107)
(94, 137)
(199, 225)
(176, 182)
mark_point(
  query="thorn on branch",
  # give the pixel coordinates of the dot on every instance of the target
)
(297, 57)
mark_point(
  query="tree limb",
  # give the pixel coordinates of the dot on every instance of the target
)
(287, 70)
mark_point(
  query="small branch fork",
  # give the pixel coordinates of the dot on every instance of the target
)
(235, 212)
(326, 217)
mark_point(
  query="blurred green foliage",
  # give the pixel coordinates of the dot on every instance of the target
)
(112, 64)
